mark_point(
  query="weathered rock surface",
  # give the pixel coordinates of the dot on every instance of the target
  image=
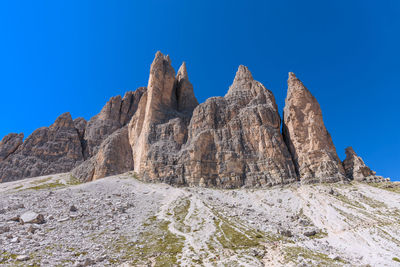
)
(235, 140)
(356, 169)
(158, 129)
(113, 157)
(47, 150)
(309, 142)
(9, 144)
(114, 115)
(106, 147)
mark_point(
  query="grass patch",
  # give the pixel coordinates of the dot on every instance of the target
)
(389, 186)
(180, 212)
(41, 181)
(155, 245)
(73, 180)
(292, 254)
(396, 259)
(47, 186)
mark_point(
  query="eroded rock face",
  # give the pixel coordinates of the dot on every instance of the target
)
(47, 150)
(10, 144)
(308, 140)
(158, 129)
(356, 169)
(114, 115)
(113, 157)
(235, 140)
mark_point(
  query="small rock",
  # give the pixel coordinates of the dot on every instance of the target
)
(310, 233)
(73, 208)
(4, 229)
(15, 219)
(22, 258)
(15, 240)
(31, 217)
(286, 233)
(31, 229)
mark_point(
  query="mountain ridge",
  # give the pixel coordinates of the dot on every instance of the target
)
(163, 134)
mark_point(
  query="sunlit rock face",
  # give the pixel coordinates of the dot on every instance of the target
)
(235, 140)
(158, 129)
(308, 140)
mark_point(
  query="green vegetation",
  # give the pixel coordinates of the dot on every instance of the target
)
(292, 254)
(180, 212)
(47, 186)
(392, 187)
(156, 244)
(73, 180)
(396, 259)
(41, 181)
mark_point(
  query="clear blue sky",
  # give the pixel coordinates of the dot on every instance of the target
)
(58, 56)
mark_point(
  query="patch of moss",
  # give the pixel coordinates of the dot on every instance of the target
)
(18, 187)
(396, 259)
(6, 256)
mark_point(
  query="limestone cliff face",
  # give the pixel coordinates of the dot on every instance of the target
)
(158, 129)
(114, 115)
(308, 140)
(235, 140)
(47, 150)
(114, 156)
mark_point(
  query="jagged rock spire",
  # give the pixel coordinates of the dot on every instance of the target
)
(243, 73)
(305, 134)
(355, 167)
(184, 91)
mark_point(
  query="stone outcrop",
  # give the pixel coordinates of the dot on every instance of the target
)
(235, 140)
(158, 129)
(356, 169)
(114, 115)
(10, 144)
(308, 140)
(47, 150)
(113, 157)
(105, 138)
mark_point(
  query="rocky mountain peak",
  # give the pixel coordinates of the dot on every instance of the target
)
(308, 140)
(243, 74)
(182, 72)
(9, 144)
(63, 121)
(357, 170)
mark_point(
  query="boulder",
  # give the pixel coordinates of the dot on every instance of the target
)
(309, 142)
(31, 217)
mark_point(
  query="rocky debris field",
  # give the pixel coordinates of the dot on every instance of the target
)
(55, 221)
